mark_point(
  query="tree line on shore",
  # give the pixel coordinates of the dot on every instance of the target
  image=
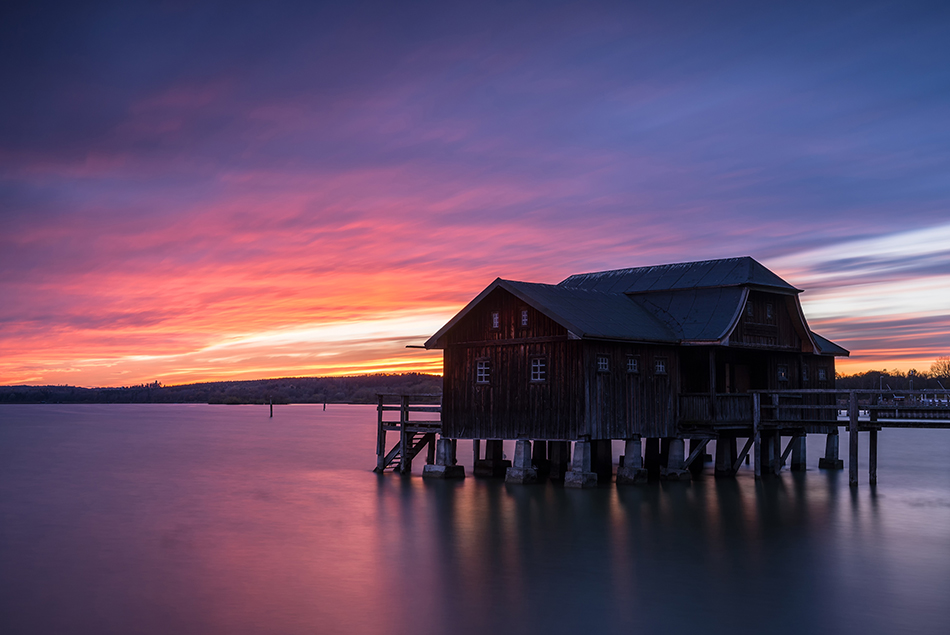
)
(352, 389)
(364, 388)
(938, 378)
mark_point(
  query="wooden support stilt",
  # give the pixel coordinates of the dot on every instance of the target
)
(476, 450)
(853, 440)
(777, 460)
(872, 457)
(756, 434)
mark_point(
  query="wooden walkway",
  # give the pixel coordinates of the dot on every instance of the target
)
(795, 413)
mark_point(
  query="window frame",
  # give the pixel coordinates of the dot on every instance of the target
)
(603, 363)
(660, 366)
(482, 372)
(539, 370)
(633, 364)
(524, 320)
(495, 320)
(782, 372)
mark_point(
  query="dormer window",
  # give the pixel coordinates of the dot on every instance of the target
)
(524, 317)
(495, 320)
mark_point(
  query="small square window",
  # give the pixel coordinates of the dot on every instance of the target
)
(749, 311)
(768, 311)
(660, 366)
(633, 364)
(603, 364)
(539, 369)
(524, 317)
(804, 372)
(495, 320)
(783, 373)
(482, 372)
(822, 374)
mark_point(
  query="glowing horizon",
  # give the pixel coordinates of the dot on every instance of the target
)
(307, 190)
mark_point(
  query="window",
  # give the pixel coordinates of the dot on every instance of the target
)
(482, 372)
(749, 311)
(768, 311)
(539, 369)
(783, 372)
(495, 320)
(603, 364)
(660, 366)
(524, 317)
(804, 372)
(633, 364)
(822, 374)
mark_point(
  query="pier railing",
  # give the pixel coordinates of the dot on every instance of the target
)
(815, 407)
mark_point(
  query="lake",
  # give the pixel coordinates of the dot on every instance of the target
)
(218, 519)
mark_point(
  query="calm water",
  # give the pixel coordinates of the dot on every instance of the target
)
(216, 519)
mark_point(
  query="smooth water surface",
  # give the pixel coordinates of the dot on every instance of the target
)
(218, 519)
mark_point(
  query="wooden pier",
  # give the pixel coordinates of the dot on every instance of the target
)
(759, 418)
(764, 417)
(411, 417)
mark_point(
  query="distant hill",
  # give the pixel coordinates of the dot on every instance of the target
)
(354, 389)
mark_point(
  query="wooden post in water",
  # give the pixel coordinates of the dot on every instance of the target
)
(853, 440)
(272, 408)
(756, 435)
(872, 457)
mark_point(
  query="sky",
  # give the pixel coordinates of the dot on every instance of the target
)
(206, 191)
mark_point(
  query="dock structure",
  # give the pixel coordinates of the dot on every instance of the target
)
(657, 357)
(769, 426)
(412, 418)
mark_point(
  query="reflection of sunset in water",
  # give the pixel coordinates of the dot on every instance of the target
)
(218, 519)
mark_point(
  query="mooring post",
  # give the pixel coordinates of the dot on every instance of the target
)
(872, 457)
(853, 440)
(405, 439)
(272, 408)
(756, 434)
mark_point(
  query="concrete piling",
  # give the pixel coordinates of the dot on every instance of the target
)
(675, 461)
(581, 474)
(830, 460)
(632, 471)
(445, 463)
(522, 471)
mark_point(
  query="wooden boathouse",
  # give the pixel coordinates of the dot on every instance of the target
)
(654, 356)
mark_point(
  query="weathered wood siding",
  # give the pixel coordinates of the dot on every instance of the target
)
(511, 405)
(621, 404)
(762, 330)
(476, 327)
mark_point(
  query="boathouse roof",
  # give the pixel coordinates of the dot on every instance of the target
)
(682, 303)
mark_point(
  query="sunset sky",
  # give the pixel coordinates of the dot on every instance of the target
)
(234, 190)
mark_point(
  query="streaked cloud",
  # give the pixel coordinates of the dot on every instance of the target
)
(231, 191)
